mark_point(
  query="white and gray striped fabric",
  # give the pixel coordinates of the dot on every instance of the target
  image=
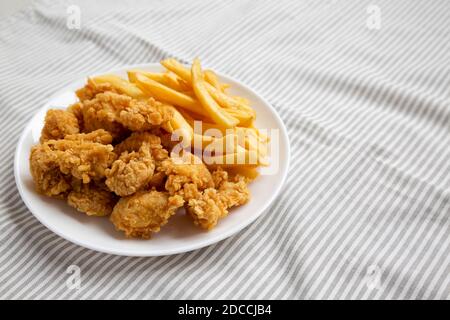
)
(365, 210)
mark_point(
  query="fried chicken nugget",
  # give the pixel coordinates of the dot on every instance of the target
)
(84, 160)
(98, 136)
(47, 177)
(49, 159)
(135, 141)
(234, 193)
(208, 207)
(59, 123)
(101, 112)
(81, 159)
(157, 181)
(92, 199)
(131, 172)
(77, 110)
(91, 89)
(144, 213)
(117, 112)
(141, 115)
(159, 154)
(191, 172)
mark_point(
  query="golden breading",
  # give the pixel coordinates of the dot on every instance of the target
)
(76, 110)
(101, 113)
(81, 159)
(131, 172)
(58, 123)
(208, 207)
(135, 141)
(47, 177)
(118, 112)
(141, 115)
(144, 213)
(157, 181)
(92, 200)
(90, 90)
(99, 136)
(234, 193)
(189, 191)
(219, 177)
(167, 141)
(191, 171)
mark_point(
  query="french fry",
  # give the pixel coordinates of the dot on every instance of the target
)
(248, 139)
(211, 78)
(228, 102)
(161, 92)
(241, 158)
(184, 73)
(244, 113)
(233, 143)
(166, 94)
(168, 79)
(205, 139)
(243, 131)
(177, 122)
(247, 171)
(226, 144)
(200, 115)
(241, 100)
(213, 86)
(159, 77)
(192, 121)
(243, 117)
(190, 93)
(208, 103)
(190, 118)
(199, 141)
(263, 137)
(260, 148)
(210, 126)
(177, 68)
(176, 83)
(122, 85)
(225, 86)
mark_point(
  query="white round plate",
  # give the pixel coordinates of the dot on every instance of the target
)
(180, 234)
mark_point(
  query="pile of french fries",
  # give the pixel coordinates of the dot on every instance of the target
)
(204, 114)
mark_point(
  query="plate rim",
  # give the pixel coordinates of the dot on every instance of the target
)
(224, 235)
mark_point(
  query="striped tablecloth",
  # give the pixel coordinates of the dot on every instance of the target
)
(364, 90)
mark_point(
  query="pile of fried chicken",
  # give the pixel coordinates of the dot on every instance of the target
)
(108, 155)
